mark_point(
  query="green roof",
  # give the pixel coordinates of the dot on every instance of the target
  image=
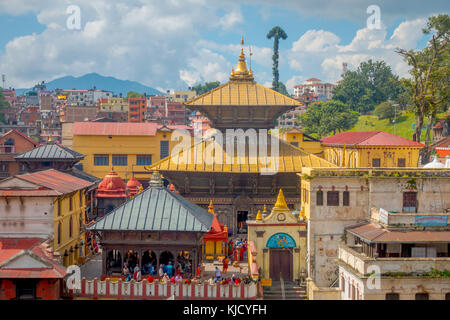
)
(156, 209)
(50, 151)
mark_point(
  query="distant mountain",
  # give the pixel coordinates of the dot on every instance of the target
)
(88, 81)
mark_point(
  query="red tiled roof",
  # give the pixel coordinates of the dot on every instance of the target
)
(22, 135)
(375, 233)
(313, 79)
(11, 247)
(369, 138)
(115, 128)
(443, 143)
(56, 180)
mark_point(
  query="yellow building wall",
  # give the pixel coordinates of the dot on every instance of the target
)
(263, 256)
(115, 105)
(62, 217)
(123, 145)
(309, 146)
(361, 157)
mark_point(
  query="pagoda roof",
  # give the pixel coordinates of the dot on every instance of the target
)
(50, 151)
(242, 93)
(291, 159)
(156, 209)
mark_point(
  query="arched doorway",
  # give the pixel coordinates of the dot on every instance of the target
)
(184, 263)
(167, 261)
(148, 262)
(132, 259)
(114, 262)
(281, 256)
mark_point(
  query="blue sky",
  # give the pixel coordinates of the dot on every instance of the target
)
(175, 44)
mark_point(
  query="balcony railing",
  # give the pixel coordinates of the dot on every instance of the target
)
(363, 264)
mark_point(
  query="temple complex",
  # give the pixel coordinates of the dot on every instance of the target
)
(239, 184)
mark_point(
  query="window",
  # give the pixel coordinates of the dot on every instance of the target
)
(70, 227)
(71, 203)
(295, 144)
(346, 198)
(401, 162)
(101, 160)
(319, 198)
(3, 167)
(392, 296)
(375, 163)
(59, 206)
(410, 202)
(332, 198)
(59, 233)
(81, 198)
(144, 159)
(119, 159)
(422, 296)
(164, 149)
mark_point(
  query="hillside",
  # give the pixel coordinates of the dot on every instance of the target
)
(88, 81)
(404, 126)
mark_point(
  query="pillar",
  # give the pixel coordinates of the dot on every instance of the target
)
(104, 253)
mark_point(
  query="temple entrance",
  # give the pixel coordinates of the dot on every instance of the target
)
(281, 264)
(132, 259)
(166, 257)
(241, 221)
(114, 261)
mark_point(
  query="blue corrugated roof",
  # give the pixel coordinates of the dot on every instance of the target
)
(156, 209)
(51, 150)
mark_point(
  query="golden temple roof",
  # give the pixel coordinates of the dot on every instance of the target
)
(291, 159)
(242, 90)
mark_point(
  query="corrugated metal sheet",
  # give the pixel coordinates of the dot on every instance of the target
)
(55, 180)
(49, 151)
(156, 209)
(377, 234)
(114, 128)
(369, 138)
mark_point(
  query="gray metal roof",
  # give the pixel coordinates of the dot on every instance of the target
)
(51, 151)
(156, 209)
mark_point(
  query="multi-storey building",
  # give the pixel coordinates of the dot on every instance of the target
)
(323, 90)
(336, 198)
(113, 104)
(45, 204)
(137, 109)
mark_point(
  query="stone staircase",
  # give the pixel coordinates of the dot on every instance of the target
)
(292, 291)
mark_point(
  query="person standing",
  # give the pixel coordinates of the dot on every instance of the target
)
(225, 265)
(161, 270)
(218, 274)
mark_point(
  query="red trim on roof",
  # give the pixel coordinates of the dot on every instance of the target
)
(369, 138)
(22, 135)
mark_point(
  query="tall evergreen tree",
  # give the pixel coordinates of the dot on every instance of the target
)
(276, 33)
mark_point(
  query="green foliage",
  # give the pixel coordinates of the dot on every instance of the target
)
(371, 84)
(282, 89)
(201, 89)
(276, 33)
(386, 110)
(430, 74)
(133, 94)
(323, 118)
(3, 104)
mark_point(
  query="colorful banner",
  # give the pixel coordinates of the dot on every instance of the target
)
(430, 220)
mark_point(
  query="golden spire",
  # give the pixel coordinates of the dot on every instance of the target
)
(265, 209)
(241, 72)
(281, 202)
(259, 215)
(50, 139)
(211, 208)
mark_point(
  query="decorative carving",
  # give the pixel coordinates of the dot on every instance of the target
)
(230, 185)
(259, 234)
(187, 188)
(274, 185)
(212, 185)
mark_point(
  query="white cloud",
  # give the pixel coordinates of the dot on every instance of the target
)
(316, 40)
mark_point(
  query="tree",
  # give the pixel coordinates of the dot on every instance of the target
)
(371, 84)
(386, 110)
(208, 86)
(133, 94)
(282, 89)
(430, 76)
(3, 104)
(323, 118)
(276, 33)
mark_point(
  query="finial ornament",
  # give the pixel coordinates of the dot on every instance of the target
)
(242, 40)
(241, 72)
(156, 180)
(211, 207)
(281, 201)
(259, 215)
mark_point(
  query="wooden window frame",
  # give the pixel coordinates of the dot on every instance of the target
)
(346, 198)
(331, 196)
(319, 198)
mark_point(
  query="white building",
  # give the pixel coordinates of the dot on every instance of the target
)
(314, 85)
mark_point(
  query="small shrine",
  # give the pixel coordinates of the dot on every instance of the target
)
(215, 241)
(278, 243)
(111, 193)
(134, 187)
